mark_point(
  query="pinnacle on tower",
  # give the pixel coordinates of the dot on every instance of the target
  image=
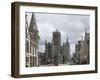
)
(67, 39)
(56, 30)
(45, 41)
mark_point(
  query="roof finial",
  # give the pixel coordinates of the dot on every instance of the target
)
(56, 30)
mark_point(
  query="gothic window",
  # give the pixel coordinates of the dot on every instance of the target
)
(35, 60)
(34, 51)
(27, 61)
(31, 61)
(27, 46)
(26, 32)
(31, 48)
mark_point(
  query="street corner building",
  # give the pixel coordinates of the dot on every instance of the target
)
(84, 51)
(31, 42)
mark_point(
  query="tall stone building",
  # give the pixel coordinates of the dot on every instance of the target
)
(84, 51)
(31, 42)
(55, 53)
(81, 55)
(57, 47)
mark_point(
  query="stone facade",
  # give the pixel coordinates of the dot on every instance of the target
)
(81, 55)
(31, 42)
(84, 51)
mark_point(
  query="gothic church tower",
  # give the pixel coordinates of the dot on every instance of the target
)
(57, 47)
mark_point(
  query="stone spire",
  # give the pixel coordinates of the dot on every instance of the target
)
(33, 25)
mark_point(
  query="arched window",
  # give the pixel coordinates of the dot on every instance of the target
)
(27, 46)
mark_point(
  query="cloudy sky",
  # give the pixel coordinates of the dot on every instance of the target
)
(70, 25)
